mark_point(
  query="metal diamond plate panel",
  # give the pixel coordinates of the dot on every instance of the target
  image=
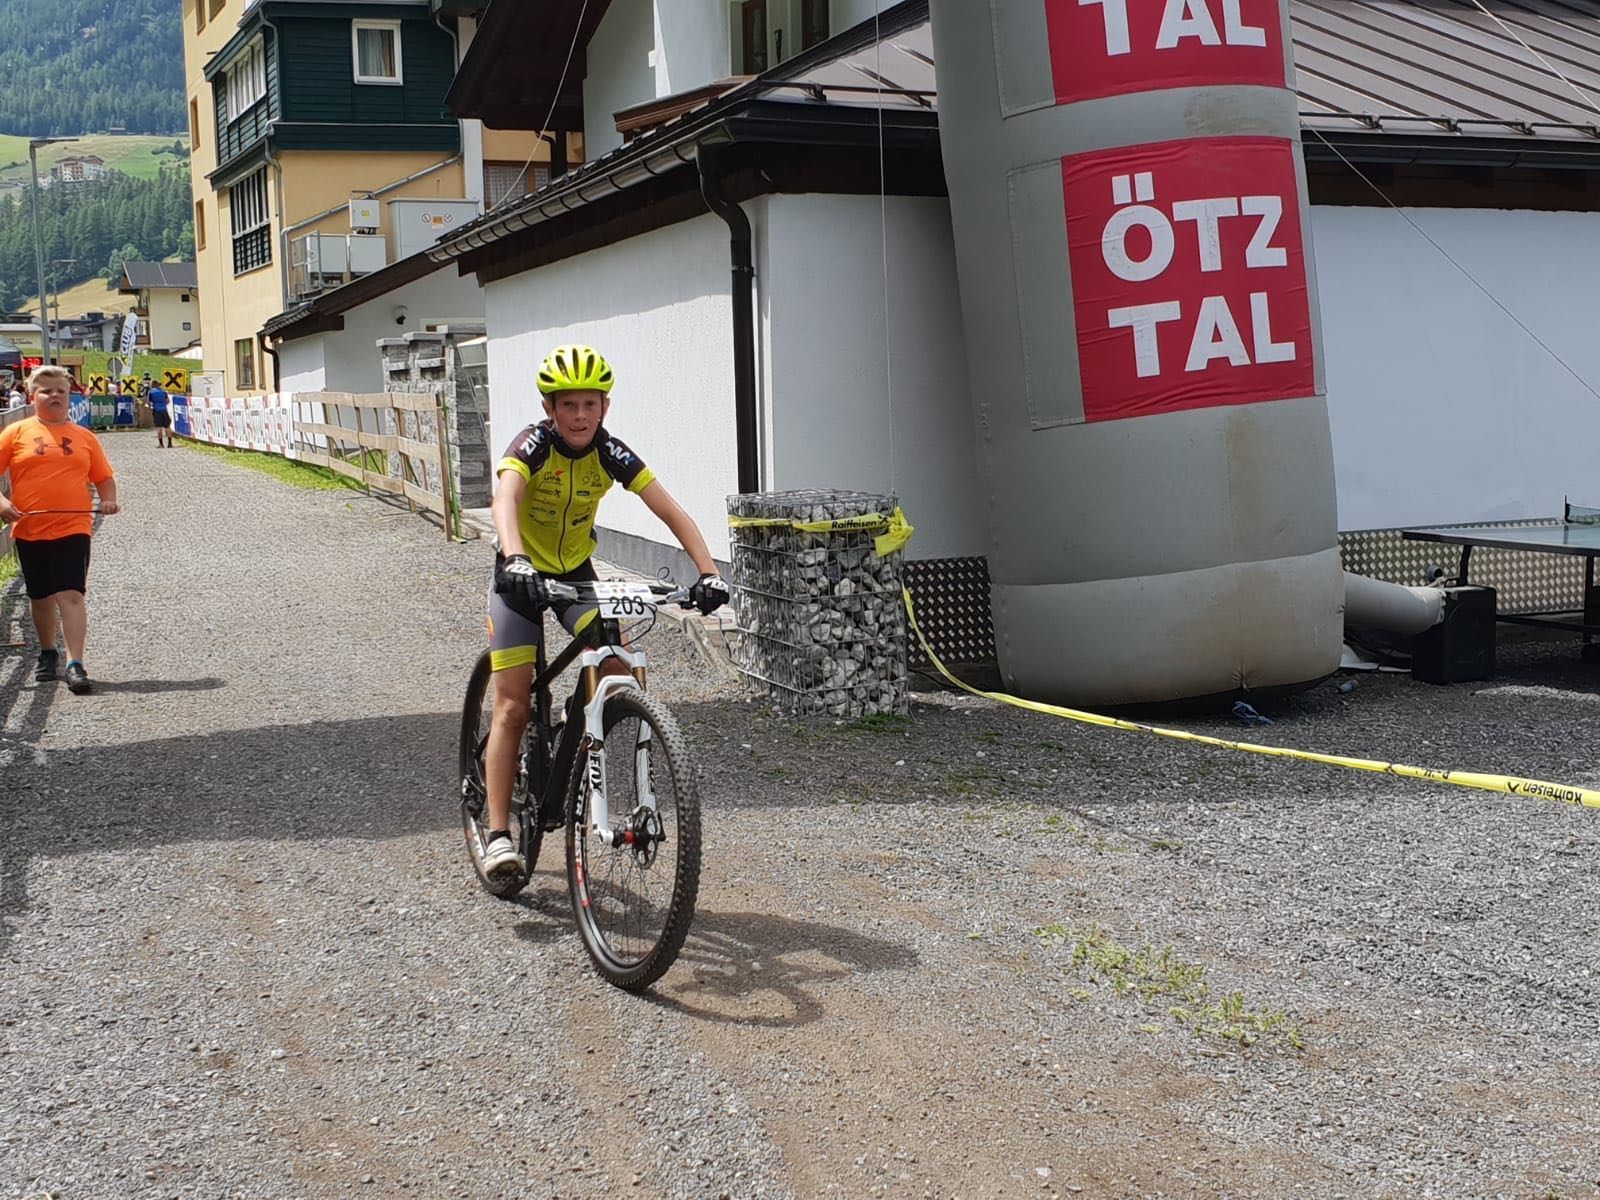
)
(1525, 582)
(952, 599)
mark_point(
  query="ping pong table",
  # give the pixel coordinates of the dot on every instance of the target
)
(1578, 533)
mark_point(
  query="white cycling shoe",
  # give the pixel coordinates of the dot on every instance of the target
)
(500, 857)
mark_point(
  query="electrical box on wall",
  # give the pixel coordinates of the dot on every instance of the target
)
(418, 224)
(368, 253)
(364, 214)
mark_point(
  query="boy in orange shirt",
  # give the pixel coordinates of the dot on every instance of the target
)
(52, 463)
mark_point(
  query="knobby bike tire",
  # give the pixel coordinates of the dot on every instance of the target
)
(470, 776)
(669, 744)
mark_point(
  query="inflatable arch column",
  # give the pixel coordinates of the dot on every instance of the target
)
(1132, 237)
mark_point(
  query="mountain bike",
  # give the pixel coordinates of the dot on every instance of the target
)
(613, 768)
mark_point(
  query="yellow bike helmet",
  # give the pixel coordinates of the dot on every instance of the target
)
(575, 368)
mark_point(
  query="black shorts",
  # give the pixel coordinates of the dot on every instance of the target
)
(161, 417)
(54, 565)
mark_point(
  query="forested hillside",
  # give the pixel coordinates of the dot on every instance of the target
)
(98, 224)
(85, 66)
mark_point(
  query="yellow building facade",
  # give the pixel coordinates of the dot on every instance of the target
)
(296, 108)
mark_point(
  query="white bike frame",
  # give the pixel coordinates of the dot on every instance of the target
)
(616, 601)
(594, 740)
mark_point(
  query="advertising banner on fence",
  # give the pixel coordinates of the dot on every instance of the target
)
(263, 423)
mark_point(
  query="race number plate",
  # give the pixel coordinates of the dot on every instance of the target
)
(623, 601)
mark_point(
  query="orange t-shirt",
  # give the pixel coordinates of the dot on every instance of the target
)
(52, 466)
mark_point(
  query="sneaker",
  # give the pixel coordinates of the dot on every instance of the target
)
(500, 857)
(45, 672)
(78, 679)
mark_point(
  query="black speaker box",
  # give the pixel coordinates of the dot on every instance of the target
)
(1461, 647)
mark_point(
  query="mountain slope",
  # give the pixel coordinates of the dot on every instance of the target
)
(79, 66)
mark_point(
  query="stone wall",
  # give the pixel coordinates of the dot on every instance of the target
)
(433, 362)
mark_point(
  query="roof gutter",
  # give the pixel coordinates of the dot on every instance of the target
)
(744, 321)
(581, 191)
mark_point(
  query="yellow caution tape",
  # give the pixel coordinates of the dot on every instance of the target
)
(1583, 797)
(897, 529)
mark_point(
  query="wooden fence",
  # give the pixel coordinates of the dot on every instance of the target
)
(391, 442)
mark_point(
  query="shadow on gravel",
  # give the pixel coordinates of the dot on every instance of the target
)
(380, 778)
(751, 969)
(153, 686)
(762, 971)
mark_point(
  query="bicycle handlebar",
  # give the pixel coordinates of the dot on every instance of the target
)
(650, 594)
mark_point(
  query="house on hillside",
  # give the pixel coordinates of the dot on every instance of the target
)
(838, 358)
(167, 301)
(91, 331)
(321, 155)
(78, 168)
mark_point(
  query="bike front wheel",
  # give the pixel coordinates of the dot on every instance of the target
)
(634, 885)
(476, 713)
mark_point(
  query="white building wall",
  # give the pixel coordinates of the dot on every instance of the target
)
(302, 364)
(833, 415)
(691, 43)
(845, 13)
(649, 48)
(1443, 410)
(168, 313)
(658, 307)
(620, 71)
(348, 360)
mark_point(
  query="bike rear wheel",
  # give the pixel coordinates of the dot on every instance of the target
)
(634, 901)
(476, 713)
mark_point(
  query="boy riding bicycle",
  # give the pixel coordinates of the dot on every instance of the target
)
(549, 486)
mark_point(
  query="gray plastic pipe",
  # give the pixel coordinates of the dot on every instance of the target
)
(1392, 607)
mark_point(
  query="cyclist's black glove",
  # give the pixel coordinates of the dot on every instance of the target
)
(709, 594)
(516, 580)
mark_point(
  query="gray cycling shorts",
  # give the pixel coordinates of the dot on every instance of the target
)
(514, 639)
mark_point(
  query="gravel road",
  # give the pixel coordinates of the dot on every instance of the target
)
(242, 954)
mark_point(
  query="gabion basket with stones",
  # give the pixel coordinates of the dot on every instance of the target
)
(822, 624)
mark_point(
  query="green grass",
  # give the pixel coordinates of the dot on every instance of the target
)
(94, 361)
(303, 475)
(13, 151)
(133, 154)
(881, 723)
(8, 567)
(1159, 976)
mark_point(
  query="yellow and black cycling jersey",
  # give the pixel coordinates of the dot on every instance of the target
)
(564, 490)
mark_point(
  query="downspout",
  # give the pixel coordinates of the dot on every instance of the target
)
(277, 180)
(471, 140)
(267, 348)
(744, 332)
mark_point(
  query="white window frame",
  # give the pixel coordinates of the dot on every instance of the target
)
(248, 211)
(393, 27)
(247, 80)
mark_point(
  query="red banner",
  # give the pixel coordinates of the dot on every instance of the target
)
(1188, 276)
(1111, 47)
